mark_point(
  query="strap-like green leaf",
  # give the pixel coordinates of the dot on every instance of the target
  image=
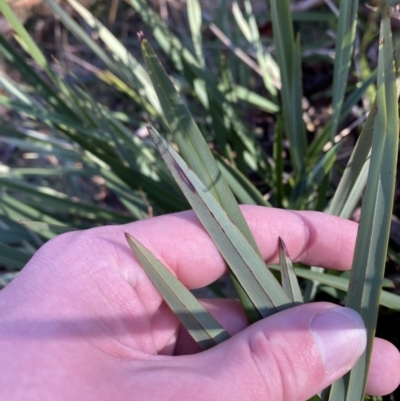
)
(249, 28)
(241, 186)
(126, 64)
(288, 56)
(195, 23)
(317, 145)
(12, 257)
(14, 58)
(23, 34)
(202, 326)
(57, 200)
(39, 226)
(290, 283)
(354, 178)
(373, 234)
(345, 38)
(259, 283)
(195, 151)
(387, 299)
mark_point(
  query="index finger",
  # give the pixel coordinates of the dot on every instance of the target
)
(181, 243)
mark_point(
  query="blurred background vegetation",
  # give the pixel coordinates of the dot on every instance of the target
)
(75, 99)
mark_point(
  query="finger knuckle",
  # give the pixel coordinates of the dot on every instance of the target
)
(273, 364)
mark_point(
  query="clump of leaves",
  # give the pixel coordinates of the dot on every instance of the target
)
(200, 181)
(62, 118)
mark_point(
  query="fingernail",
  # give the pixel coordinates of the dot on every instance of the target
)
(340, 336)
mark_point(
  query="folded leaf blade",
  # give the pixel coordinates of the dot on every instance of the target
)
(249, 269)
(290, 283)
(196, 153)
(204, 329)
(373, 235)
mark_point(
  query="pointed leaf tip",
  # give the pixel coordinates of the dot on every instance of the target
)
(289, 280)
(283, 246)
(204, 329)
(141, 36)
(154, 136)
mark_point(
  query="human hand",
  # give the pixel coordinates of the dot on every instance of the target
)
(83, 321)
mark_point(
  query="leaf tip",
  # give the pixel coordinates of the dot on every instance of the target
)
(128, 237)
(141, 36)
(155, 136)
(282, 246)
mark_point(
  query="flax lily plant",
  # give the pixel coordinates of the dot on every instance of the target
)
(177, 168)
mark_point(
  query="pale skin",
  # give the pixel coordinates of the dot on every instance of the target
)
(84, 322)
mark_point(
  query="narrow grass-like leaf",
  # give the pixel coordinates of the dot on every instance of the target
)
(351, 185)
(373, 234)
(354, 178)
(249, 269)
(30, 75)
(372, 240)
(241, 21)
(14, 90)
(16, 210)
(202, 326)
(39, 226)
(11, 232)
(194, 150)
(323, 167)
(29, 43)
(387, 299)
(255, 99)
(168, 42)
(19, 172)
(39, 148)
(133, 71)
(278, 170)
(229, 106)
(288, 56)
(57, 200)
(290, 283)
(192, 145)
(222, 126)
(317, 145)
(80, 34)
(12, 257)
(195, 22)
(242, 188)
(250, 30)
(345, 38)
(263, 61)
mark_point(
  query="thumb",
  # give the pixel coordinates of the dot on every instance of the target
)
(287, 357)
